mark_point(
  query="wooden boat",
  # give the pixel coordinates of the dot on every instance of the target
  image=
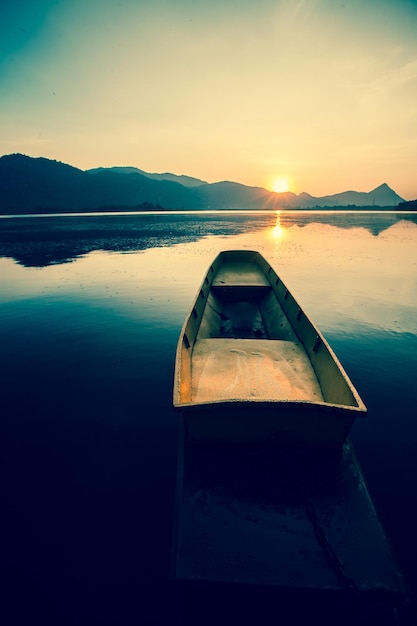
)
(251, 367)
(257, 533)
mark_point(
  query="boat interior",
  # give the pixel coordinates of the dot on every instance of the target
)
(245, 346)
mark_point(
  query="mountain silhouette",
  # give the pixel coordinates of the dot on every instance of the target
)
(382, 196)
(187, 181)
(30, 185)
(36, 185)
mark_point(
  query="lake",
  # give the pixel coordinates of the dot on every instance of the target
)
(90, 311)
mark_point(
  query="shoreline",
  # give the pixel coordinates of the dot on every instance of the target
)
(160, 210)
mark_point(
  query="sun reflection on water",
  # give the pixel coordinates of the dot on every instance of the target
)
(278, 231)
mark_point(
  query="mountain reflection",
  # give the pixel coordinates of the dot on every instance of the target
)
(345, 220)
(42, 241)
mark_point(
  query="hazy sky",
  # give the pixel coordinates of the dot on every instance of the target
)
(322, 92)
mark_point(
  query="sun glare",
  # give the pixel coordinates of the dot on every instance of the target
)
(280, 185)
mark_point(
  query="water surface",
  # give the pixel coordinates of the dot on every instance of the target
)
(90, 312)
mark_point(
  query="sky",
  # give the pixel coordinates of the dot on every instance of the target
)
(319, 93)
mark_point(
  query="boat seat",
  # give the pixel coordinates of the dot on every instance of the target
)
(252, 369)
(240, 274)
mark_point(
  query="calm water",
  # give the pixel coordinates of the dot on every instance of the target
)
(90, 311)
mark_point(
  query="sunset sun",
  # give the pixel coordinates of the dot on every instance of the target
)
(280, 185)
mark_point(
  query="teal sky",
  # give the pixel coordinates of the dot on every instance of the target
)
(320, 92)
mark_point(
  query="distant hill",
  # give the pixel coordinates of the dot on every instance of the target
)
(408, 206)
(382, 196)
(34, 185)
(187, 181)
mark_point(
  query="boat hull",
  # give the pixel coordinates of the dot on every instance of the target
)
(269, 423)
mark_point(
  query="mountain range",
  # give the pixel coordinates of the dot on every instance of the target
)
(37, 185)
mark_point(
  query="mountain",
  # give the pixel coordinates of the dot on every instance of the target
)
(30, 185)
(187, 181)
(34, 185)
(382, 196)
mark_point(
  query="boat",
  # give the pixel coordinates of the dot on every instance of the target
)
(273, 521)
(252, 368)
